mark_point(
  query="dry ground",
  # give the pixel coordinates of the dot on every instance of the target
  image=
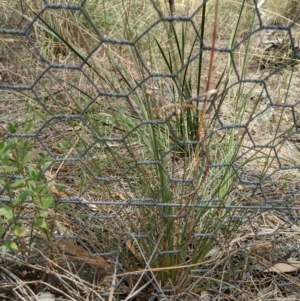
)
(270, 117)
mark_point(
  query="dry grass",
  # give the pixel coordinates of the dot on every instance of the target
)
(100, 229)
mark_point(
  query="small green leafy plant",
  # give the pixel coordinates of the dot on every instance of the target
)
(24, 188)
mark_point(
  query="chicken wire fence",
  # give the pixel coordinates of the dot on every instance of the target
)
(111, 106)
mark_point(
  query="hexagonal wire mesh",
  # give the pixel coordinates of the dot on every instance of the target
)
(114, 96)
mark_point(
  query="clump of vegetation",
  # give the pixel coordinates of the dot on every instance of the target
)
(22, 180)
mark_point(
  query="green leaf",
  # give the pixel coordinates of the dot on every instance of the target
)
(31, 155)
(12, 128)
(24, 194)
(32, 186)
(40, 222)
(4, 150)
(6, 212)
(19, 231)
(11, 245)
(33, 174)
(27, 192)
(47, 202)
(7, 168)
(63, 206)
(43, 214)
(18, 183)
(46, 166)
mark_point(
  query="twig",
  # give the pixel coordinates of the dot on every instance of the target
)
(172, 7)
